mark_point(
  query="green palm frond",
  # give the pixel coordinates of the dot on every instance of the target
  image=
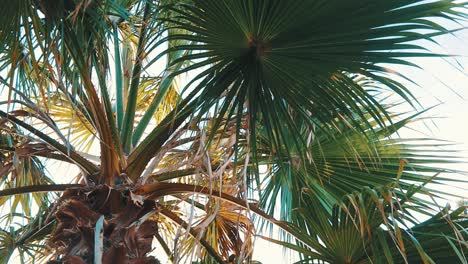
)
(369, 227)
(20, 167)
(442, 238)
(26, 237)
(190, 120)
(349, 160)
(261, 59)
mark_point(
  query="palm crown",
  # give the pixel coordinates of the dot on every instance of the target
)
(265, 113)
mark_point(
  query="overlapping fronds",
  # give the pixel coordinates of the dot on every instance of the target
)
(262, 62)
(370, 226)
(20, 166)
(349, 159)
(26, 237)
(190, 120)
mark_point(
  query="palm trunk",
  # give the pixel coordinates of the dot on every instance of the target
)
(127, 232)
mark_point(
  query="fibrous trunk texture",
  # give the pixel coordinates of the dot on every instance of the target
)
(128, 230)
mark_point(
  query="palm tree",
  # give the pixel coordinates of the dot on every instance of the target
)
(197, 124)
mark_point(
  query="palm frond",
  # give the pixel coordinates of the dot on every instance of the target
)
(369, 227)
(273, 65)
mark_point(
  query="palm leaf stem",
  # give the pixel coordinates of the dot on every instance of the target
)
(39, 188)
(88, 167)
(193, 232)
